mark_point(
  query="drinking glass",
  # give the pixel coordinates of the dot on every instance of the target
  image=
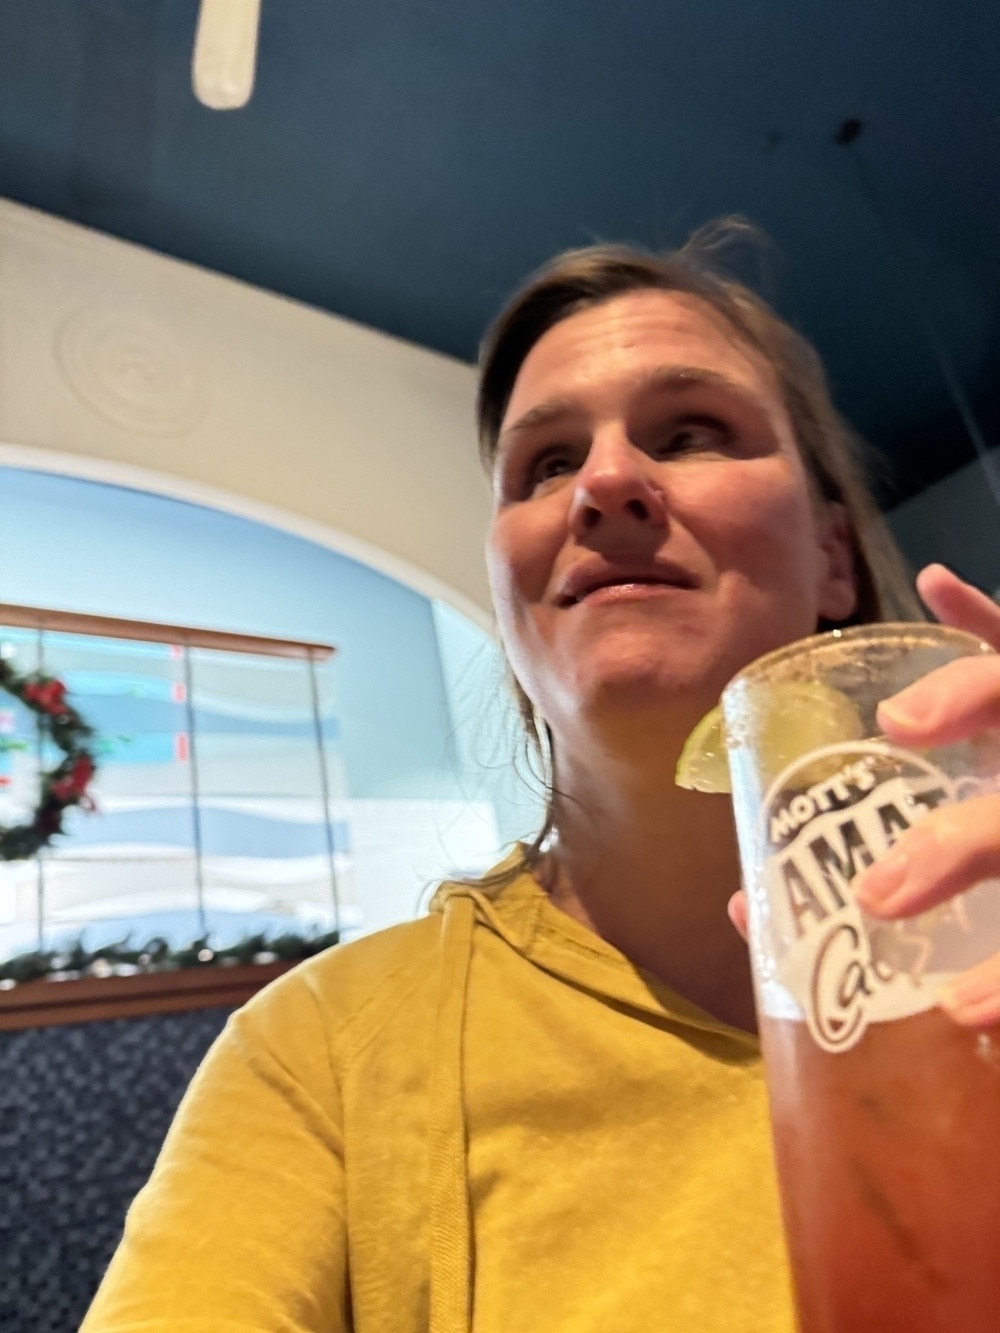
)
(885, 1113)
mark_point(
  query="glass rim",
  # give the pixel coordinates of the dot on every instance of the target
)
(884, 630)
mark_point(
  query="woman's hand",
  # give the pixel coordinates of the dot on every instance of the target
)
(955, 846)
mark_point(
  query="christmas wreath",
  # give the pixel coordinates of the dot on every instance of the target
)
(59, 787)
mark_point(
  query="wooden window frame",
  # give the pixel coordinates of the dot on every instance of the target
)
(15, 616)
(43, 1003)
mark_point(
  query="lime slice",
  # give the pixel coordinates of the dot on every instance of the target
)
(783, 720)
(703, 765)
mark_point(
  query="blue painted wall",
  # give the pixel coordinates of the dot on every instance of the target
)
(84, 546)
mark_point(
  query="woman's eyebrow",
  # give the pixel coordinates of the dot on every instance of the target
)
(555, 409)
(675, 379)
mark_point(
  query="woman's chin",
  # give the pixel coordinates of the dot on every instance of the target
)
(652, 686)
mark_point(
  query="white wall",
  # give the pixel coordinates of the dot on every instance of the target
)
(124, 365)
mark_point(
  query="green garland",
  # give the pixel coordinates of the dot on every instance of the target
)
(156, 955)
(59, 787)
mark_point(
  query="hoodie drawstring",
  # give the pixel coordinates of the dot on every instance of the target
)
(450, 1220)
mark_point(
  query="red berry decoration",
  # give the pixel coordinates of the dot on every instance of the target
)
(59, 787)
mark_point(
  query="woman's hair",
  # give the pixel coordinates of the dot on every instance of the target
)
(836, 460)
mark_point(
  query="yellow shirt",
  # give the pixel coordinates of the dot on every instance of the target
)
(486, 1119)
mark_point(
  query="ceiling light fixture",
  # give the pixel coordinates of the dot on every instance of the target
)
(225, 53)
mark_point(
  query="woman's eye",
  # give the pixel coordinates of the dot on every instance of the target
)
(694, 438)
(553, 463)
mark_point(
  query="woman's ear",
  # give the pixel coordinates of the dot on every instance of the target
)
(838, 585)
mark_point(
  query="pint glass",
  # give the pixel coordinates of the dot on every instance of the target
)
(886, 1115)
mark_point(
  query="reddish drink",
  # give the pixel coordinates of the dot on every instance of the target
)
(886, 1114)
(889, 1160)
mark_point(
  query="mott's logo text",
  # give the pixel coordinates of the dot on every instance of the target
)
(843, 971)
(843, 789)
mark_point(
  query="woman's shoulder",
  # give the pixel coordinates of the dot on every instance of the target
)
(351, 989)
(384, 959)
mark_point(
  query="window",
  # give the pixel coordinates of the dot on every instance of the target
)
(239, 792)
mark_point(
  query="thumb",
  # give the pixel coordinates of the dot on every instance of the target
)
(737, 910)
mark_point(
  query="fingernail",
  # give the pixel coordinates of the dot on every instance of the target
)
(881, 881)
(967, 992)
(965, 995)
(911, 708)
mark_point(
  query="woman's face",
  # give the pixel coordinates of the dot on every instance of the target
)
(653, 527)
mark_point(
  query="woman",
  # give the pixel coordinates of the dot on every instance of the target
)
(541, 1106)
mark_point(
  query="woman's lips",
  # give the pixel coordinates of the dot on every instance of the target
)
(629, 579)
(629, 590)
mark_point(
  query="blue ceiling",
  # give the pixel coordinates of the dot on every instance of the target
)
(406, 162)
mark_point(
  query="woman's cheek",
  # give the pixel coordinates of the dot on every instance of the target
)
(754, 515)
(520, 557)
(499, 574)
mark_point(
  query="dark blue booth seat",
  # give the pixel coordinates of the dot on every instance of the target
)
(83, 1111)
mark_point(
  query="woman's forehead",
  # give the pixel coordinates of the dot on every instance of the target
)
(604, 348)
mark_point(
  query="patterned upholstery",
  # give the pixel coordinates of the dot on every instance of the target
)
(83, 1111)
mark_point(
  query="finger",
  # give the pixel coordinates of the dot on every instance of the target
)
(737, 909)
(959, 604)
(973, 999)
(950, 850)
(947, 705)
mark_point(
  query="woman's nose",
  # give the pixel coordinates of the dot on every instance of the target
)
(616, 485)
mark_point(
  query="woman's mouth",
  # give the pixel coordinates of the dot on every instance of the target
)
(627, 591)
(593, 582)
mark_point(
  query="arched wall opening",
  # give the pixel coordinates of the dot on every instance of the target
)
(423, 783)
